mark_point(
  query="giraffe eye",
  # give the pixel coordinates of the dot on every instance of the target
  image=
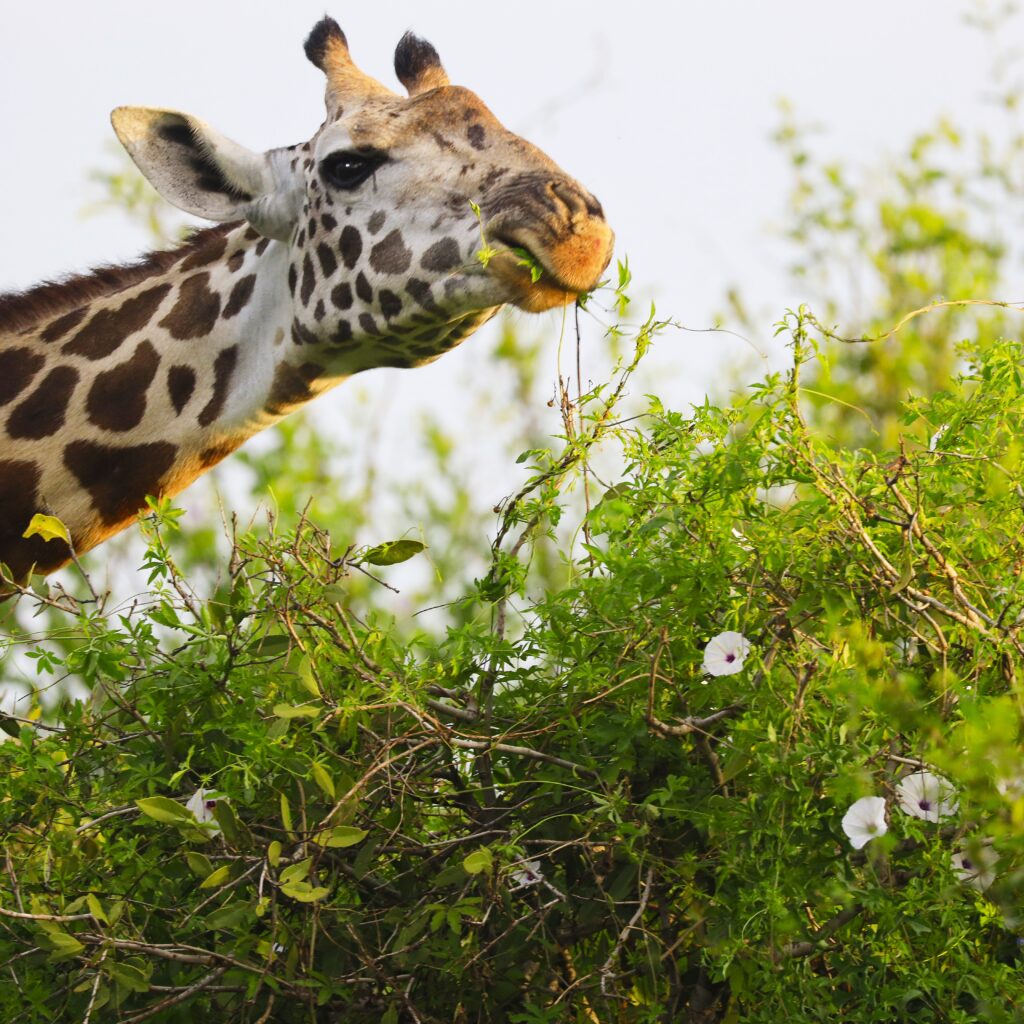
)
(349, 168)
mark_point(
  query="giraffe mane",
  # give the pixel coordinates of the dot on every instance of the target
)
(19, 310)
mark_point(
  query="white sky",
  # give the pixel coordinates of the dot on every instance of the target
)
(663, 110)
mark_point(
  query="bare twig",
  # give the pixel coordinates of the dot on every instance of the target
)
(607, 974)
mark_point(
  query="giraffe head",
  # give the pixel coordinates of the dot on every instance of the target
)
(404, 223)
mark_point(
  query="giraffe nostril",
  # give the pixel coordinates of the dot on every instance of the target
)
(577, 202)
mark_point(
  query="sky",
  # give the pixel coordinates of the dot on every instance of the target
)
(664, 111)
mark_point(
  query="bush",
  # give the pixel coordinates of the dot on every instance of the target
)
(554, 812)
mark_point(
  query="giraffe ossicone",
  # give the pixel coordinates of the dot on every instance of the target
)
(404, 224)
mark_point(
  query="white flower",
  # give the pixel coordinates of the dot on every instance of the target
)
(927, 796)
(528, 873)
(933, 441)
(725, 653)
(974, 864)
(202, 804)
(865, 820)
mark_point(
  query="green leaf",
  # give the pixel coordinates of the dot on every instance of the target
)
(127, 975)
(300, 711)
(231, 827)
(228, 917)
(47, 527)
(907, 570)
(341, 836)
(162, 808)
(307, 678)
(62, 945)
(335, 594)
(304, 892)
(286, 817)
(199, 864)
(274, 854)
(393, 552)
(218, 877)
(272, 646)
(296, 872)
(322, 777)
(96, 908)
(478, 861)
(277, 728)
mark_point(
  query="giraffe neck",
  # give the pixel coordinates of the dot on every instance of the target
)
(137, 382)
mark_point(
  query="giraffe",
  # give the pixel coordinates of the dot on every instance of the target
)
(387, 239)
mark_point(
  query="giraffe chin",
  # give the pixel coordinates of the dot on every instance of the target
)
(529, 295)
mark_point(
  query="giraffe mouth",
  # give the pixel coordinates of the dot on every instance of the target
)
(536, 287)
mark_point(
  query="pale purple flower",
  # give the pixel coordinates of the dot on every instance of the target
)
(202, 804)
(865, 820)
(974, 864)
(725, 653)
(528, 873)
(927, 796)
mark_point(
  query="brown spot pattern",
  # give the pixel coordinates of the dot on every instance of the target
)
(308, 280)
(17, 368)
(420, 291)
(363, 289)
(223, 368)
(196, 310)
(117, 398)
(376, 221)
(118, 479)
(42, 413)
(327, 259)
(341, 296)
(19, 485)
(240, 296)
(109, 328)
(441, 256)
(351, 245)
(56, 330)
(209, 253)
(216, 453)
(390, 303)
(181, 382)
(390, 256)
(290, 387)
(477, 136)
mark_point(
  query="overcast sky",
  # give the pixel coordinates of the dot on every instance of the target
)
(663, 110)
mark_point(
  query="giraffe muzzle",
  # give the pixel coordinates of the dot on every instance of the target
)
(563, 232)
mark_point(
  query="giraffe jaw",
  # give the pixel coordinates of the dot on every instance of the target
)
(515, 274)
(566, 270)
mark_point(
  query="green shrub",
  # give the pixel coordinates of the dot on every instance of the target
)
(553, 812)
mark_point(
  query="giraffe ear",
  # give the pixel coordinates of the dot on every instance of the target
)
(206, 174)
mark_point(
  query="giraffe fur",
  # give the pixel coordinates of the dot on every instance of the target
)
(385, 240)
